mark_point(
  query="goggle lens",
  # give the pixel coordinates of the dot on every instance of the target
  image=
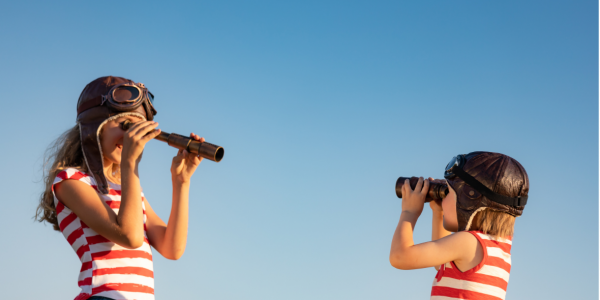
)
(451, 164)
(150, 97)
(455, 161)
(126, 94)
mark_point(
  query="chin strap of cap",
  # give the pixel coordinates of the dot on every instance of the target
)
(478, 186)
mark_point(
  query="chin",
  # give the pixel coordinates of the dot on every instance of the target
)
(115, 159)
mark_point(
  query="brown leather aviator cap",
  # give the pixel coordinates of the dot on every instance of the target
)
(102, 100)
(501, 174)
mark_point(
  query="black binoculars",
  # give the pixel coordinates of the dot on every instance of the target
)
(437, 191)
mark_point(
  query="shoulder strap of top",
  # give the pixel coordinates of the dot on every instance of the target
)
(74, 174)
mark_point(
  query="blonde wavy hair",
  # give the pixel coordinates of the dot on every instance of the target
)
(495, 223)
(65, 152)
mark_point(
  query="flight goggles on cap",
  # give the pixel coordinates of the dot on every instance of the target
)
(128, 97)
(455, 169)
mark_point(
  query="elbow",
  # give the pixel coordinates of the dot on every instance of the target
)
(133, 241)
(178, 253)
(174, 256)
(396, 263)
(136, 244)
(400, 261)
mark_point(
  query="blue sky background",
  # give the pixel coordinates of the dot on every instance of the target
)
(320, 106)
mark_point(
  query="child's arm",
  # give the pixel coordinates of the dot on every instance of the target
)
(437, 224)
(406, 255)
(170, 239)
(127, 227)
(437, 221)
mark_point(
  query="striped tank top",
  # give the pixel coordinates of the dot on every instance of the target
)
(486, 281)
(107, 269)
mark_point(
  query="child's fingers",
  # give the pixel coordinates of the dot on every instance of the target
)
(419, 185)
(436, 205)
(405, 187)
(196, 160)
(197, 137)
(191, 156)
(177, 159)
(179, 155)
(144, 134)
(135, 125)
(436, 180)
(151, 135)
(425, 186)
(143, 128)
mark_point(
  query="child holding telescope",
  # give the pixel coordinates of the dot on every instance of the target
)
(93, 193)
(486, 191)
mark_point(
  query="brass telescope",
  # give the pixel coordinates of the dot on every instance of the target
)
(206, 150)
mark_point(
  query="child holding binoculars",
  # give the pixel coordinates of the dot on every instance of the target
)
(486, 191)
(93, 193)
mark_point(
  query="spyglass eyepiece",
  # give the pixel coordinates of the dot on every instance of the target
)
(206, 150)
(437, 191)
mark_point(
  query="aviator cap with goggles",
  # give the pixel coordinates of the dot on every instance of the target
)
(486, 180)
(101, 101)
(122, 97)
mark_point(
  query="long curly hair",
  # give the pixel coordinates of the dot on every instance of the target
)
(65, 152)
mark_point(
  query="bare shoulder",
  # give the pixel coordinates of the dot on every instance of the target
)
(465, 237)
(73, 193)
(462, 243)
(471, 251)
(460, 238)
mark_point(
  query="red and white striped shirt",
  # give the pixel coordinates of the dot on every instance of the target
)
(107, 269)
(486, 281)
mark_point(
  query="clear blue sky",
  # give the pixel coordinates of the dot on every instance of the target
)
(320, 106)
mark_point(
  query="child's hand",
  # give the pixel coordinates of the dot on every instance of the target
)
(436, 205)
(184, 163)
(135, 139)
(413, 201)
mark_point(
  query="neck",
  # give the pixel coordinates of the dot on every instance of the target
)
(108, 172)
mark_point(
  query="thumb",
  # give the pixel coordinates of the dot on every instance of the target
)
(178, 157)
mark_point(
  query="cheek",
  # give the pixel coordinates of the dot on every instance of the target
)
(105, 140)
(450, 221)
(446, 204)
(451, 207)
(109, 138)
